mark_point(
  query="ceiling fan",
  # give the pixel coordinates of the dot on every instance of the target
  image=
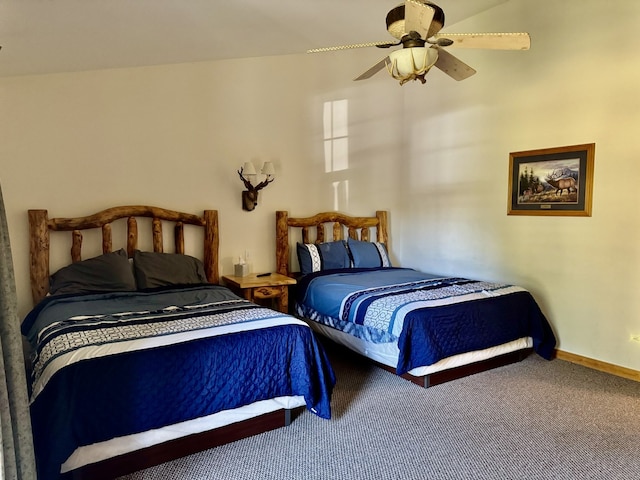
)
(416, 23)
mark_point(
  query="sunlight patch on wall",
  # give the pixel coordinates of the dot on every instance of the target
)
(341, 195)
(336, 136)
(336, 149)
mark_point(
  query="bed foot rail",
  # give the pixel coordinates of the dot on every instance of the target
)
(181, 447)
(444, 376)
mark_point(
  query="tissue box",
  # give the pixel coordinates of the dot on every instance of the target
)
(241, 269)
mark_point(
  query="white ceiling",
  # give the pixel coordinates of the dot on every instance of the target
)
(48, 36)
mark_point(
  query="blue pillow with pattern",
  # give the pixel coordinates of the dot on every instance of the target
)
(368, 254)
(314, 257)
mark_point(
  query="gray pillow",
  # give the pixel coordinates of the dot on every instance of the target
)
(160, 269)
(110, 272)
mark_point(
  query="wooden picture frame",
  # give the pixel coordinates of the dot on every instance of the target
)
(552, 181)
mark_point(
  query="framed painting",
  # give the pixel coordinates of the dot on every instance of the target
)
(552, 181)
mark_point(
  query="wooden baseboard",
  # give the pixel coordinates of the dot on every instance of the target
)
(598, 365)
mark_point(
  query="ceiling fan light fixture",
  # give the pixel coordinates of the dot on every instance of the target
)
(411, 63)
(416, 25)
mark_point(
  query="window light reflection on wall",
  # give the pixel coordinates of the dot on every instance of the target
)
(341, 195)
(336, 135)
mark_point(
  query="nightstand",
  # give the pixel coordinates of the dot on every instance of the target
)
(274, 287)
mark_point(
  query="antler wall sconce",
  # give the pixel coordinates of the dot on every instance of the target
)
(250, 195)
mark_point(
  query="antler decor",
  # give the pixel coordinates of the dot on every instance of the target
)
(250, 195)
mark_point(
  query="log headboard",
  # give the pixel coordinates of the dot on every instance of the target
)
(40, 226)
(314, 230)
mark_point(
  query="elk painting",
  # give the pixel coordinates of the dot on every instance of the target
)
(549, 181)
(552, 181)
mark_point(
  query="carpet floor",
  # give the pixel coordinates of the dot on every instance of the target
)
(531, 420)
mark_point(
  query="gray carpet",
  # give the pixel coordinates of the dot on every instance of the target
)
(534, 420)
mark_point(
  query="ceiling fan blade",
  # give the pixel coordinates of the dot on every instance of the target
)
(452, 66)
(355, 45)
(495, 41)
(417, 17)
(373, 70)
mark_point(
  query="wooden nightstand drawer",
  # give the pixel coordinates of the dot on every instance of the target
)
(267, 292)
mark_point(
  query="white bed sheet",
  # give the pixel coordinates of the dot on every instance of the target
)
(388, 353)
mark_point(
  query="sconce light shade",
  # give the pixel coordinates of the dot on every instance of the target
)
(267, 169)
(249, 169)
(411, 63)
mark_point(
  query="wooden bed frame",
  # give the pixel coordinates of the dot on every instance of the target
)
(314, 230)
(40, 226)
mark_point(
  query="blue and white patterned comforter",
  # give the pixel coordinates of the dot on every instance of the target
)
(108, 365)
(429, 317)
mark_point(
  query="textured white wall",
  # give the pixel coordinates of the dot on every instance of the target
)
(577, 84)
(436, 156)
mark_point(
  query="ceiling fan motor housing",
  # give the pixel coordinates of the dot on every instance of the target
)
(395, 21)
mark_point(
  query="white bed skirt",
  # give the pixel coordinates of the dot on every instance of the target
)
(121, 445)
(388, 353)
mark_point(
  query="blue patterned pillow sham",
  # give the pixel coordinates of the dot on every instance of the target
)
(323, 256)
(368, 254)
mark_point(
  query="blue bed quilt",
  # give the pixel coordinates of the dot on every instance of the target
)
(429, 317)
(108, 365)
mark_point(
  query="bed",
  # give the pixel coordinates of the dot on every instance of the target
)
(140, 357)
(426, 328)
